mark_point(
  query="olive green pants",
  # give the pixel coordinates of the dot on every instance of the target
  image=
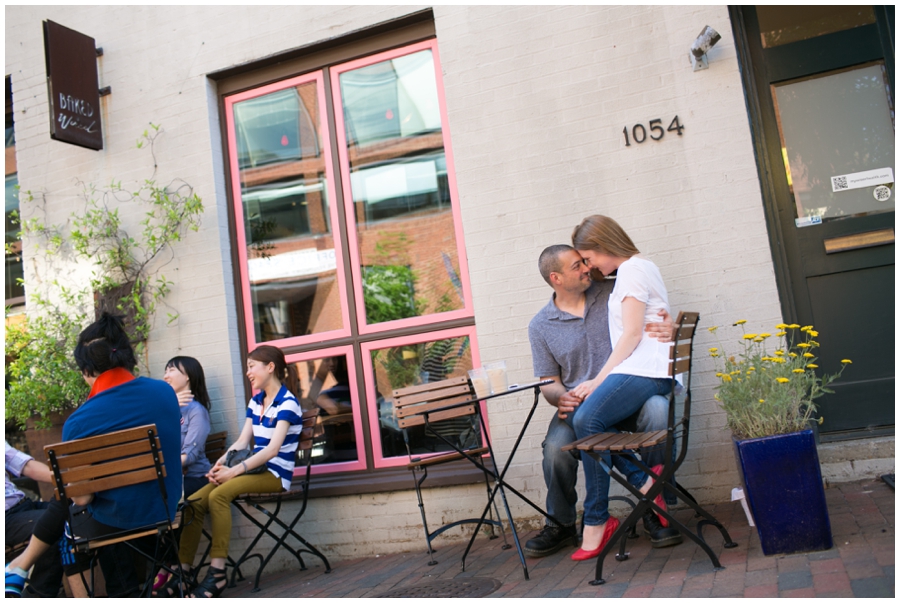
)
(216, 500)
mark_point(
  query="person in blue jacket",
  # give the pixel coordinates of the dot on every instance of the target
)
(117, 400)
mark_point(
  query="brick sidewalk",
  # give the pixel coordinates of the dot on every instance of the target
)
(861, 564)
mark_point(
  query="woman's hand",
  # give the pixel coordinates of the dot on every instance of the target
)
(184, 397)
(583, 390)
(220, 474)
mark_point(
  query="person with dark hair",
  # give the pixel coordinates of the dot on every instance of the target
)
(186, 377)
(273, 426)
(21, 515)
(118, 400)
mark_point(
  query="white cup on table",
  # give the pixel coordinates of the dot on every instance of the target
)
(496, 372)
(480, 382)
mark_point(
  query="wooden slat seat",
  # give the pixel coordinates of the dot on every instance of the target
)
(623, 442)
(443, 458)
(603, 442)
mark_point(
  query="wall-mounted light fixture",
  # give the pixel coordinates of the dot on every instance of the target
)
(706, 40)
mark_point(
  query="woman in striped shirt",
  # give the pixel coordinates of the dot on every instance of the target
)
(273, 425)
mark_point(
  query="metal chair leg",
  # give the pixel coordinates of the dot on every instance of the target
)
(428, 536)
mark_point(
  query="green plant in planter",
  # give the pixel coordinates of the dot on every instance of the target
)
(769, 393)
(41, 373)
(42, 376)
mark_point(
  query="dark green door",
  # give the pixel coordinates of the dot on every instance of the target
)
(819, 83)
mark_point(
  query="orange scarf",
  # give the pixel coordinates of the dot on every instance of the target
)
(110, 379)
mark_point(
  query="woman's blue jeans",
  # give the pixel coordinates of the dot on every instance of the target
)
(616, 399)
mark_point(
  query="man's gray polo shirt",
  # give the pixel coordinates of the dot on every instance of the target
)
(572, 347)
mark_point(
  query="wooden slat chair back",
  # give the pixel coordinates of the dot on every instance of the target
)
(99, 463)
(310, 434)
(103, 462)
(443, 407)
(216, 446)
(439, 401)
(680, 365)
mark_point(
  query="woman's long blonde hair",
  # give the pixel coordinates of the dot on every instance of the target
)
(604, 235)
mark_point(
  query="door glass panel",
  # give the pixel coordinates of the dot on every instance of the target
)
(325, 382)
(832, 125)
(401, 197)
(403, 366)
(284, 190)
(785, 24)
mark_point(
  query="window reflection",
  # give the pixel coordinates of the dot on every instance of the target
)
(403, 366)
(399, 186)
(325, 383)
(291, 260)
(784, 24)
(835, 124)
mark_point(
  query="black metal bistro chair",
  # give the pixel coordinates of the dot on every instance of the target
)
(114, 460)
(678, 430)
(411, 405)
(299, 491)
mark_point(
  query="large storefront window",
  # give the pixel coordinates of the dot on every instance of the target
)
(399, 208)
(380, 199)
(293, 284)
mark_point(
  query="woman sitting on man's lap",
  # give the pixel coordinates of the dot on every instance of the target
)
(637, 369)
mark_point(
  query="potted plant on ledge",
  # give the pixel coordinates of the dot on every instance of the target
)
(768, 398)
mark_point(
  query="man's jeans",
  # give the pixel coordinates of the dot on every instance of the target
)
(561, 468)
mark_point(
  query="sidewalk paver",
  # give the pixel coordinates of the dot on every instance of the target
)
(861, 564)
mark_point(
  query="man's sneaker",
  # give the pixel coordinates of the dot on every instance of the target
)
(551, 539)
(660, 537)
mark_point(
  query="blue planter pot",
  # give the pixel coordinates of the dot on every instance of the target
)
(783, 486)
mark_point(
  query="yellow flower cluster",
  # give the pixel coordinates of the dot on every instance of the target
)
(770, 392)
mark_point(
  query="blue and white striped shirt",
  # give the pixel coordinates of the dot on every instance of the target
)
(284, 408)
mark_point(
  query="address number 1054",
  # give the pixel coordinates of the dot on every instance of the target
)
(639, 132)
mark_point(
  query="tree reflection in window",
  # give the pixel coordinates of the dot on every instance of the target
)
(414, 364)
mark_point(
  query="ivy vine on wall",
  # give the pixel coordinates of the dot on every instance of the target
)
(126, 277)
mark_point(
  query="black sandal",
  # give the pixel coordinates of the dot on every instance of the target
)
(177, 586)
(209, 589)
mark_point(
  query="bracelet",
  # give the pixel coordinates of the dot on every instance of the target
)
(244, 465)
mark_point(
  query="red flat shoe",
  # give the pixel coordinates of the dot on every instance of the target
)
(611, 526)
(659, 501)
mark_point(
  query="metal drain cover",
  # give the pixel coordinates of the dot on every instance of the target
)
(467, 587)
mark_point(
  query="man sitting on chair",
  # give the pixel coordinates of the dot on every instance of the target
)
(570, 344)
(118, 400)
(21, 515)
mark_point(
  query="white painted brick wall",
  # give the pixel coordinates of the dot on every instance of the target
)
(537, 99)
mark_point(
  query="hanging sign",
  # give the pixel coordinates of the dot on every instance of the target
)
(73, 86)
(862, 179)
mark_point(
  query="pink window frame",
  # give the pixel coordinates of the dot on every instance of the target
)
(352, 240)
(360, 463)
(366, 350)
(238, 208)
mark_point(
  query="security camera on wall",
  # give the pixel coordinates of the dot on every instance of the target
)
(704, 42)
